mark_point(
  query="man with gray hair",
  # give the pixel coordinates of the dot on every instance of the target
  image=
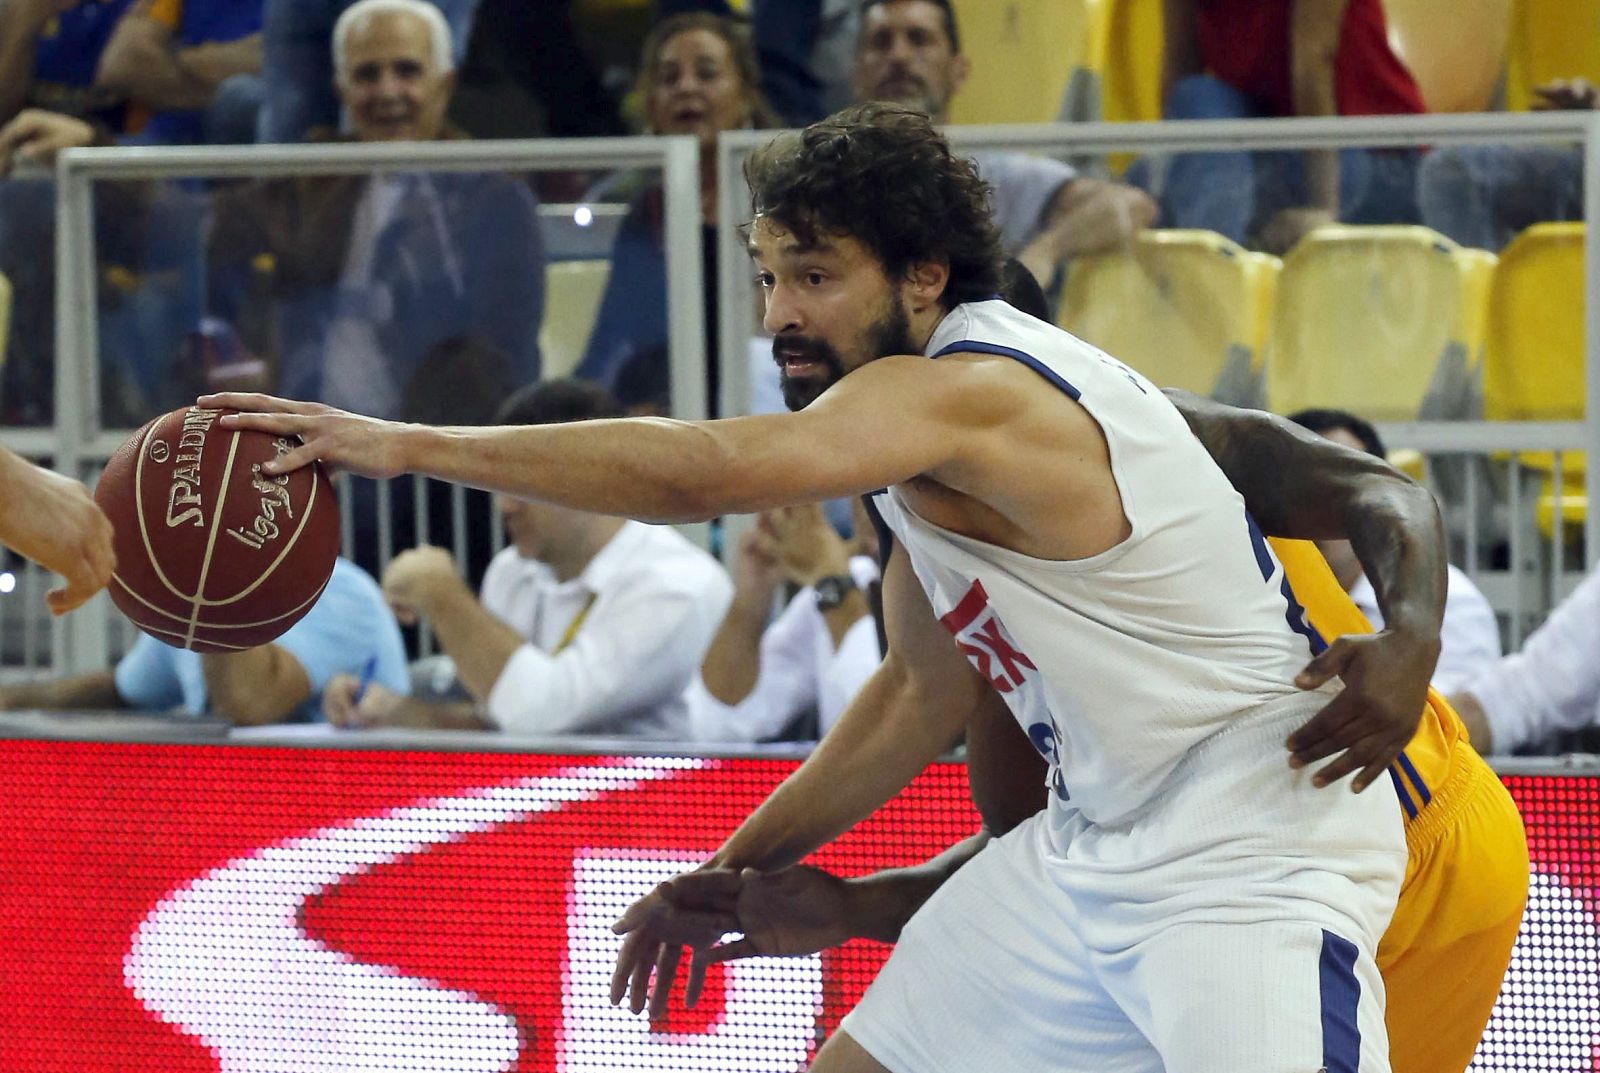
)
(299, 73)
(385, 287)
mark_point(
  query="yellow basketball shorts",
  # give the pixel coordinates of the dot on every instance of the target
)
(1447, 948)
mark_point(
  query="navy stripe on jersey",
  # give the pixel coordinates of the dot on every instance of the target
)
(1403, 794)
(1416, 779)
(969, 346)
(1341, 997)
(1294, 614)
(885, 534)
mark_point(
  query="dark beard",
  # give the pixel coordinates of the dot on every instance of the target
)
(889, 334)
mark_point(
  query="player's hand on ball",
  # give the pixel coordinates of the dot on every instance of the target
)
(1385, 677)
(340, 440)
(415, 578)
(54, 521)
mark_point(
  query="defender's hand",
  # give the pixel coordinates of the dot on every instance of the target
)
(1385, 679)
(340, 440)
(54, 521)
(694, 909)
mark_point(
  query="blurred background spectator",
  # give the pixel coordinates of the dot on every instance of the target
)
(49, 53)
(1547, 695)
(1239, 59)
(697, 76)
(299, 72)
(909, 52)
(194, 66)
(1482, 195)
(347, 631)
(790, 677)
(586, 624)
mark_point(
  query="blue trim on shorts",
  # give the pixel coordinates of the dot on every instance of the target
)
(1416, 779)
(1341, 998)
(969, 346)
(1401, 792)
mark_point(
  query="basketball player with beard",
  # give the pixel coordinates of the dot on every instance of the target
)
(1067, 549)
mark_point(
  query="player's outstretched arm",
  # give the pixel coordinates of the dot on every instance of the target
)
(911, 710)
(886, 422)
(54, 521)
(1297, 484)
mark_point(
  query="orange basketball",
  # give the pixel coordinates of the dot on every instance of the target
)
(212, 554)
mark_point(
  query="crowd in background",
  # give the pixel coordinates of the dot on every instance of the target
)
(421, 295)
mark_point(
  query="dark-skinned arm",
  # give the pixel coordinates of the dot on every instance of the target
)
(1297, 484)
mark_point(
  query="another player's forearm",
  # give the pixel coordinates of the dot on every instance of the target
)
(479, 643)
(887, 736)
(882, 903)
(1298, 484)
(96, 689)
(255, 687)
(732, 664)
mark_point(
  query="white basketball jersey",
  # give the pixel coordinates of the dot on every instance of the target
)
(1116, 665)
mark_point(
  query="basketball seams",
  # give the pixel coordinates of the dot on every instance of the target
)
(222, 625)
(144, 532)
(305, 519)
(211, 538)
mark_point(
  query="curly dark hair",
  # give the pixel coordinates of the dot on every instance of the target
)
(883, 175)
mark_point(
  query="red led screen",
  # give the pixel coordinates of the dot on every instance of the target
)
(247, 909)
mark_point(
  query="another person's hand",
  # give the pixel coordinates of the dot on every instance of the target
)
(798, 910)
(415, 579)
(54, 521)
(1567, 95)
(377, 706)
(35, 136)
(757, 570)
(363, 445)
(1375, 715)
(1288, 226)
(807, 544)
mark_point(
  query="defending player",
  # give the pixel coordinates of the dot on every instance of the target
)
(1097, 570)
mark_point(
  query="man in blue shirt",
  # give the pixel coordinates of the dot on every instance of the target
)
(347, 629)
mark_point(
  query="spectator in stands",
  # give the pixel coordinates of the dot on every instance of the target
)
(1239, 59)
(764, 679)
(347, 630)
(697, 76)
(49, 52)
(397, 295)
(194, 66)
(1551, 686)
(586, 624)
(909, 52)
(300, 75)
(1470, 639)
(1482, 195)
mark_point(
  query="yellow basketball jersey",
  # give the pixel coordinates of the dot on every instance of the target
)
(1426, 762)
(1449, 942)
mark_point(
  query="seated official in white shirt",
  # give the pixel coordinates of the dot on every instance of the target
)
(587, 624)
(766, 679)
(1551, 685)
(1470, 638)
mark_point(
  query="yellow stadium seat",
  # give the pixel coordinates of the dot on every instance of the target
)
(572, 293)
(1550, 39)
(1455, 49)
(1037, 61)
(1135, 37)
(1375, 320)
(1533, 354)
(1185, 308)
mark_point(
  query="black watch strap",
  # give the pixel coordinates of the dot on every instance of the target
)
(832, 590)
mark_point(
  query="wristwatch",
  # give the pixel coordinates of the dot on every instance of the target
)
(832, 590)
